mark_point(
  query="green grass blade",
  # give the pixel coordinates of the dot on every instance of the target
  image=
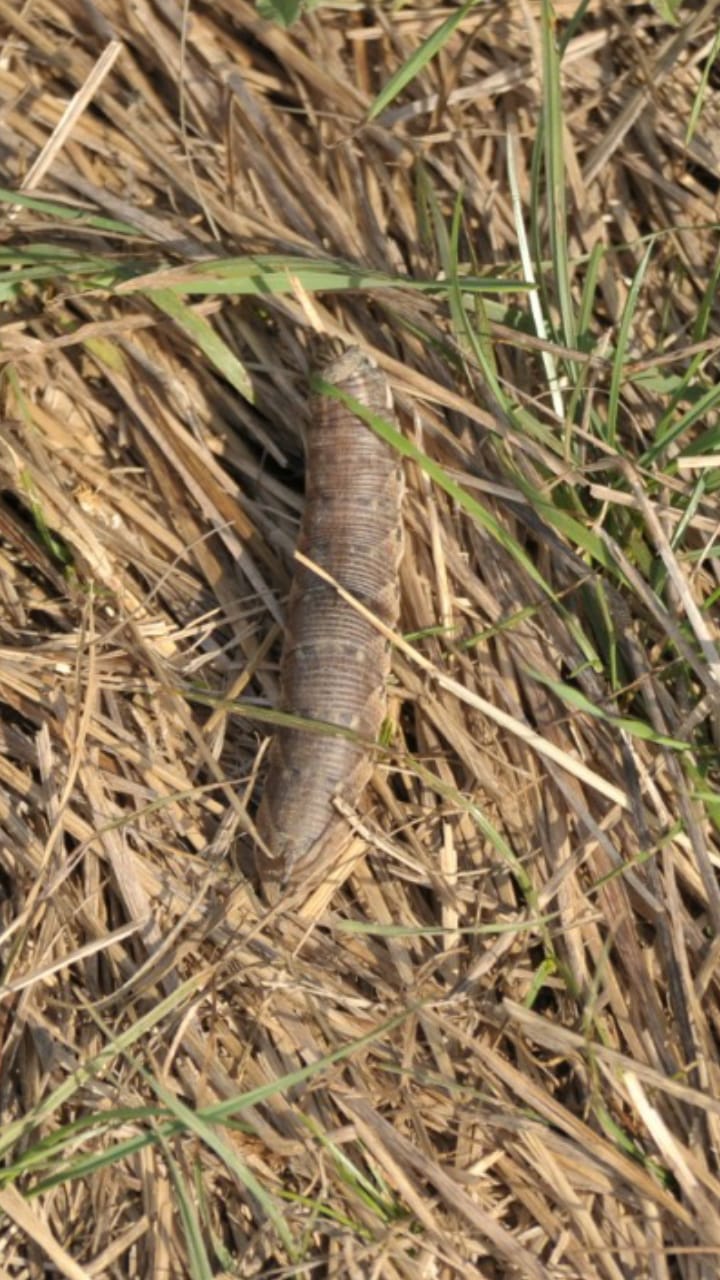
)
(43, 1110)
(193, 1122)
(428, 50)
(616, 378)
(198, 1261)
(66, 213)
(700, 410)
(207, 339)
(578, 702)
(535, 300)
(554, 145)
(265, 275)
(699, 98)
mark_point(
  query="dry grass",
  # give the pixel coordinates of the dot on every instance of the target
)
(492, 1047)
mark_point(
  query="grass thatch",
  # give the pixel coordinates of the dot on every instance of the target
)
(493, 1051)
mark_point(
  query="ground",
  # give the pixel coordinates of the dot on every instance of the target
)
(487, 1045)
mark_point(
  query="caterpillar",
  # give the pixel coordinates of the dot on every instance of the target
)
(334, 664)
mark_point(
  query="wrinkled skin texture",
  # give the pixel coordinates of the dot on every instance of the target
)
(335, 664)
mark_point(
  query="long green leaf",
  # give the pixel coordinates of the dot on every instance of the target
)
(209, 342)
(553, 132)
(66, 213)
(577, 700)
(270, 274)
(626, 322)
(428, 50)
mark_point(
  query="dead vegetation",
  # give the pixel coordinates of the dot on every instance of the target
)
(490, 1047)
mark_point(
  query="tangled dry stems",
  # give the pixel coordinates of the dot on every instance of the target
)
(490, 1047)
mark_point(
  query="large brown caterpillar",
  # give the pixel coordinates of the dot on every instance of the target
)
(335, 663)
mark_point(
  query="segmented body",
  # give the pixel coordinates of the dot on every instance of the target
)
(335, 664)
